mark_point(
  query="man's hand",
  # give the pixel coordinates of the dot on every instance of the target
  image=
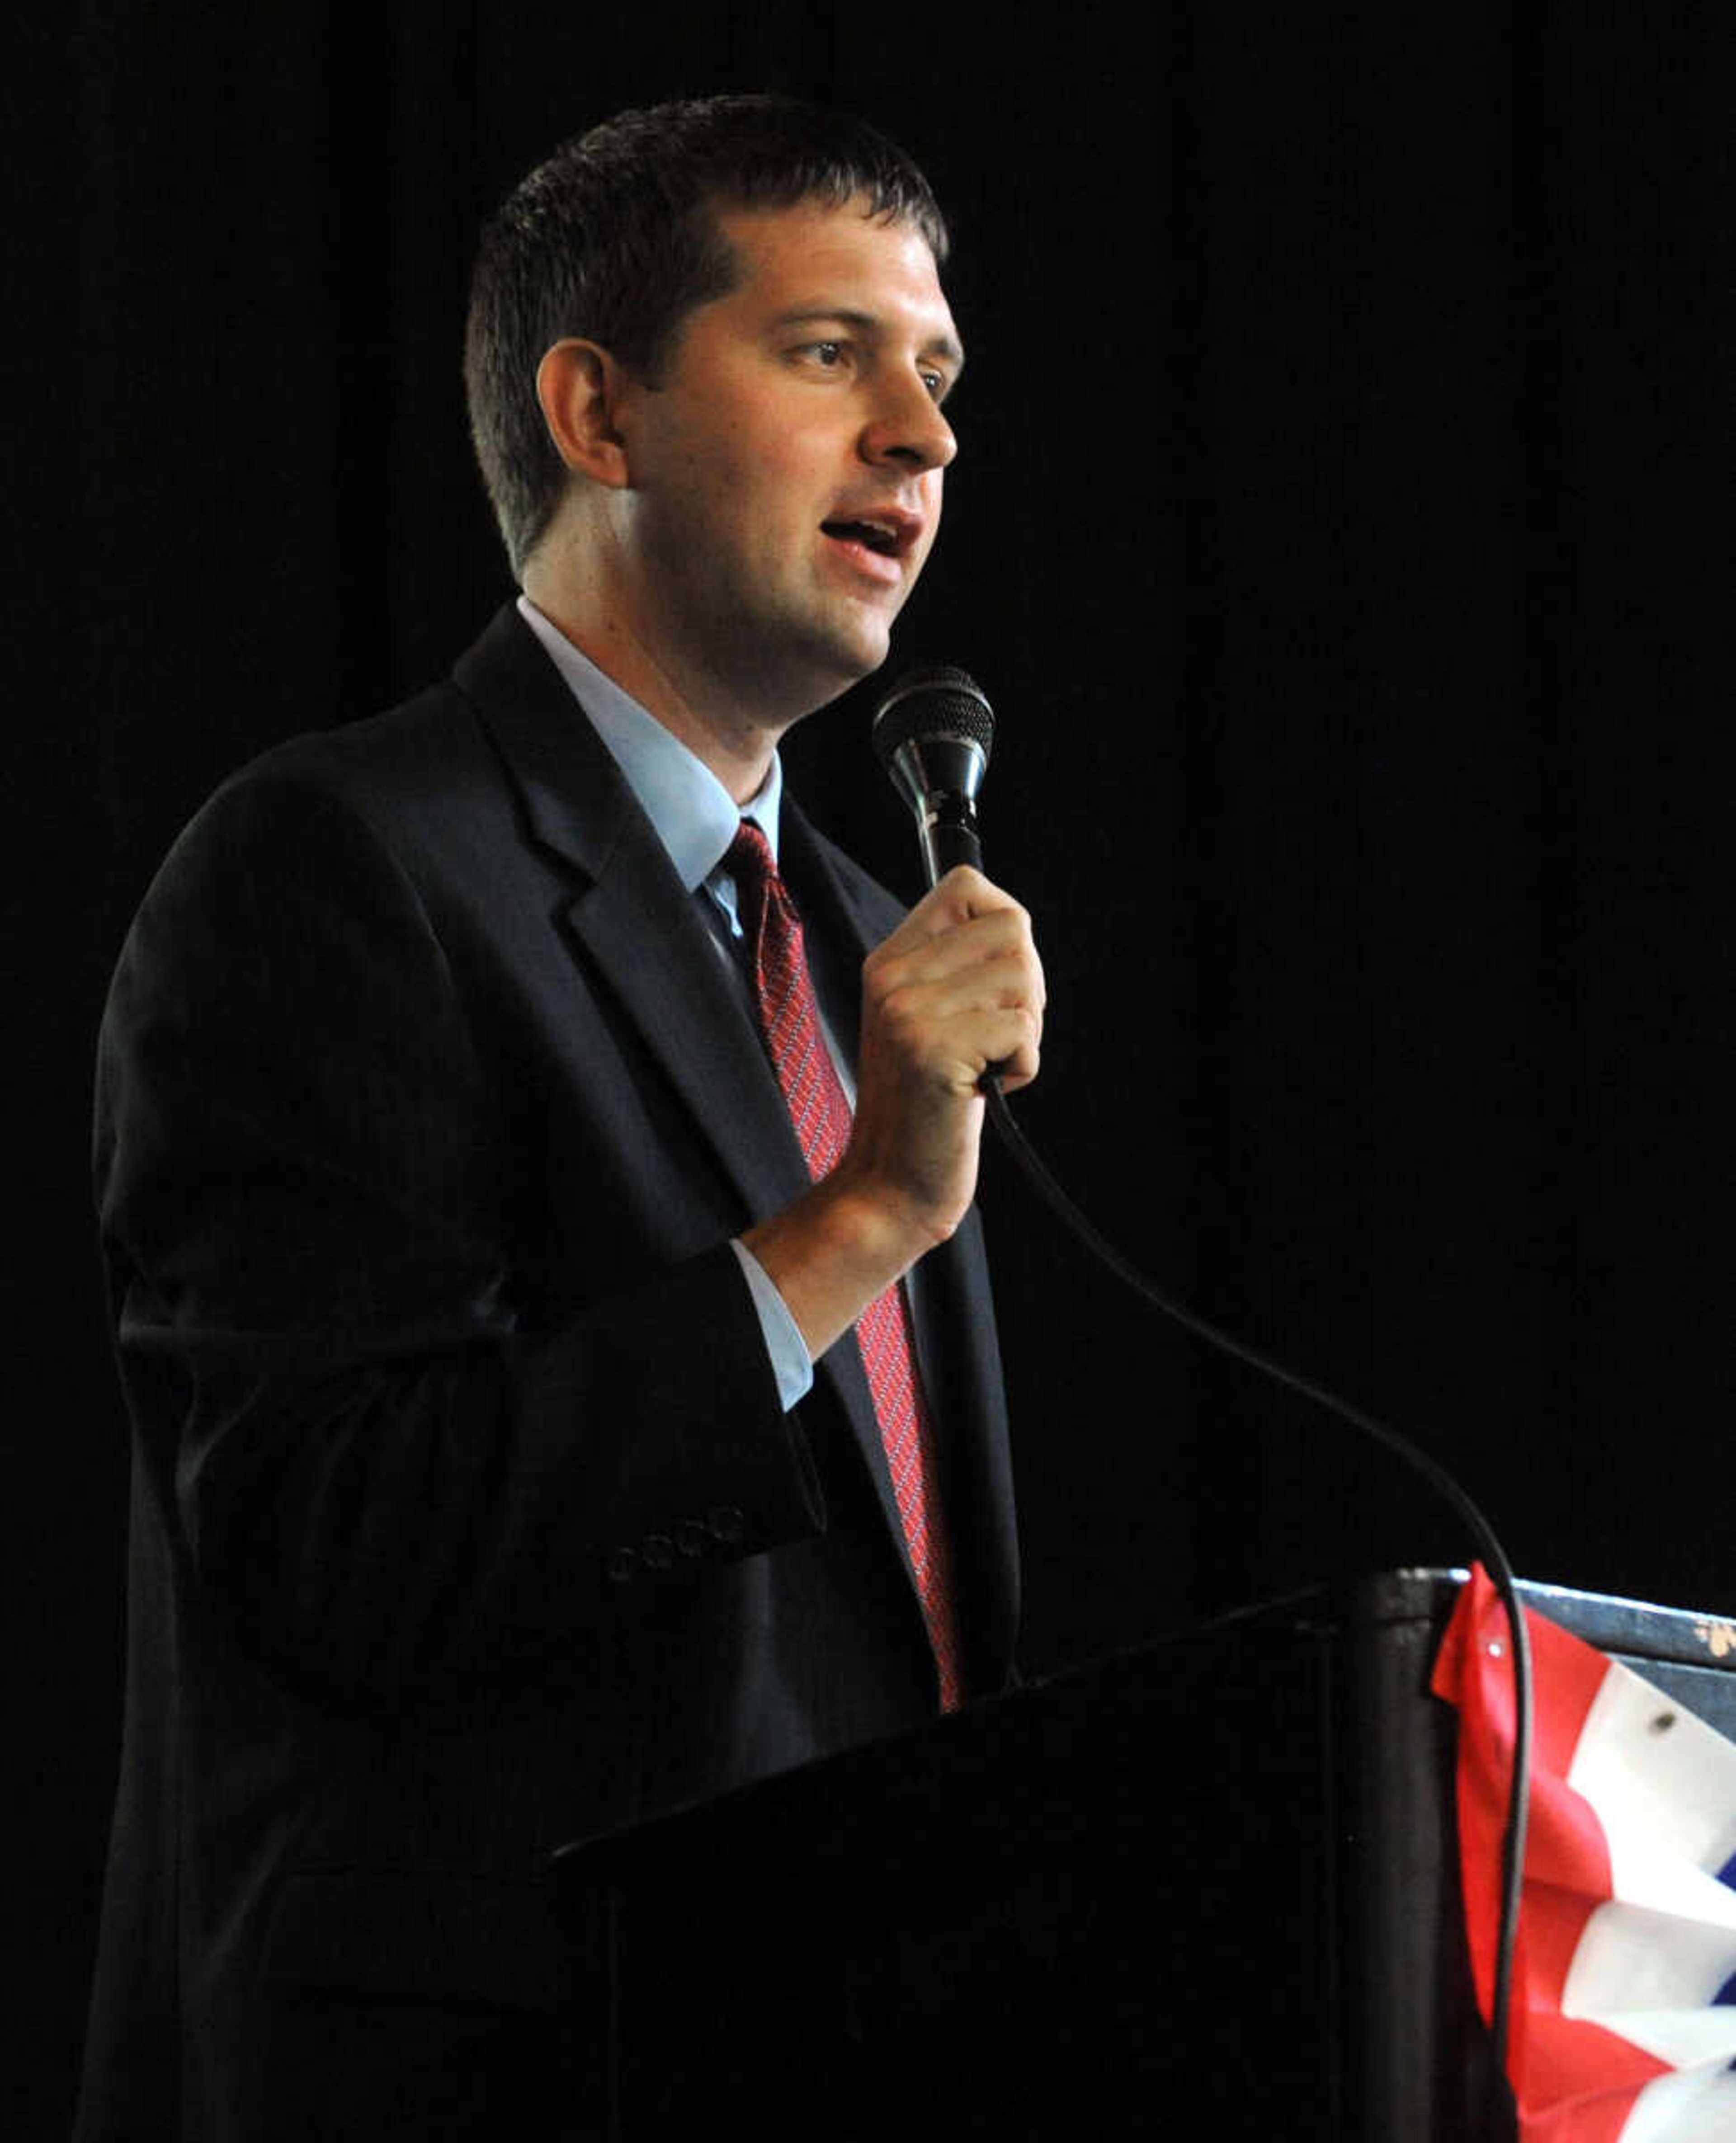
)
(955, 991)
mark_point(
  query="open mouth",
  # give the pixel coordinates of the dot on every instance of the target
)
(872, 535)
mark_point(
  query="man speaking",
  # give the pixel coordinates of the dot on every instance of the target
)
(536, 1174)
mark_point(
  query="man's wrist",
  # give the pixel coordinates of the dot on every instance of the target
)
(833, 1251)
(786, 1348)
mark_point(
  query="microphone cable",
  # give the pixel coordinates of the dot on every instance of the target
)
(1494, 1557)
(933, 733)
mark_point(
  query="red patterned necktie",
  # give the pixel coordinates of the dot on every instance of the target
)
(789, 1019)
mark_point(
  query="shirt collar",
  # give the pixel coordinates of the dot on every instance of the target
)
(692, 814)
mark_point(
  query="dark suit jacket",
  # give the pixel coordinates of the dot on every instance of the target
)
(466, 1519)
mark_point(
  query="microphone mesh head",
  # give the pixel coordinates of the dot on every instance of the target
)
(929, 703)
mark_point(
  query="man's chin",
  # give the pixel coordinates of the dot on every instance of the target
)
(806, 659)
(840, 661)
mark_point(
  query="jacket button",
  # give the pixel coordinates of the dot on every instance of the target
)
(622, 1565)
(691, 1538)
(725, 1523)
(658, 1550)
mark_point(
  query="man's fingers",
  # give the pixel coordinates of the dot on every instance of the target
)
(958, 987)
(951, 1035)
(984, 990)
(1012, 1051)
(962, 897)
(924, 950)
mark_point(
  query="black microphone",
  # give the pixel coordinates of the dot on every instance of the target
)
(933, 733)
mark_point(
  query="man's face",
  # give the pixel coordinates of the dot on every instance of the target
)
(784, 477)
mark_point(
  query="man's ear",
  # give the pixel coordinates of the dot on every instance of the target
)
(578, 385)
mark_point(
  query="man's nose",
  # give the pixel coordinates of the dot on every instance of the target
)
(909, 430)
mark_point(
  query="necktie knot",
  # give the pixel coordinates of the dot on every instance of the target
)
(751, 864)
(750, 855)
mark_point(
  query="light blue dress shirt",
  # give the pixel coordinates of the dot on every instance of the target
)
(696, 819)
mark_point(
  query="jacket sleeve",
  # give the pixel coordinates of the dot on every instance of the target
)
(386, 1465)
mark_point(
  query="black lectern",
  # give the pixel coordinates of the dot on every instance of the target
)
(1208, 1888)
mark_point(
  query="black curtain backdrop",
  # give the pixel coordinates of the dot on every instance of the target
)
(1342, 530)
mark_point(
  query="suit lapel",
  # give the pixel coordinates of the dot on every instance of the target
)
(637, 923)
(639, 926)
